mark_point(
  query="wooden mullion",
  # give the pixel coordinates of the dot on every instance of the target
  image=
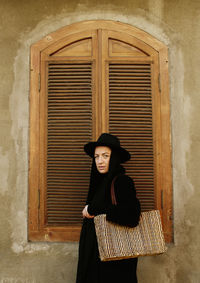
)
(95, 85)
(100, 85)
(127, 60)
(66, 60)
(105, 82)
(72, 58)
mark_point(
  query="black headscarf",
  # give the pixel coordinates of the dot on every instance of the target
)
(100, 184)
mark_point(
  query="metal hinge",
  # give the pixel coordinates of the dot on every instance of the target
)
(162, 199)
(159, 83)
(38, 198)
(39, 82)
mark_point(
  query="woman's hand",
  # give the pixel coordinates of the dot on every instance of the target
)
(86, 214)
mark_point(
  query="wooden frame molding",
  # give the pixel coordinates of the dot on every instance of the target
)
(99, 43)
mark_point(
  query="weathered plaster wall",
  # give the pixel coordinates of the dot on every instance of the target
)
(177, 24)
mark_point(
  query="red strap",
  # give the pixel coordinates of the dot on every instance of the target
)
(113, 197)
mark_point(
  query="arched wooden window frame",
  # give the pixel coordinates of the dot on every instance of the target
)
(99, 32)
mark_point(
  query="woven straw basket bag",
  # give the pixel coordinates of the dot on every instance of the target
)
(117, 242)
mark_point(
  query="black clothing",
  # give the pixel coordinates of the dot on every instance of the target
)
(127, 212)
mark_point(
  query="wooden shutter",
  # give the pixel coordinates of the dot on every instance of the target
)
(89, 78)
(135, 105)
(67, 105)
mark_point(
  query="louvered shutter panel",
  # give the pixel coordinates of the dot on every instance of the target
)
(69, 128)
(130, 118)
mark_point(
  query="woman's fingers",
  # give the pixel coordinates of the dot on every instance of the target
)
(89, 216)
(85, 213)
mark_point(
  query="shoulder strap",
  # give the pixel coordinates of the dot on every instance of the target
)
(113, 197)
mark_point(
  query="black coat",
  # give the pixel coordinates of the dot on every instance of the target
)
(127, 212)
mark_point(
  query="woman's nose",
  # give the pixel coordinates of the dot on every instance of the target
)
(100, 159)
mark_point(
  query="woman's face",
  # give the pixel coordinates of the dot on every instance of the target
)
(102, 158)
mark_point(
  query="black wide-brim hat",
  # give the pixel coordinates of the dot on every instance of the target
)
(112, 142)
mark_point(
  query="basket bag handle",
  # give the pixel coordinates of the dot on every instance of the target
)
(113, 197)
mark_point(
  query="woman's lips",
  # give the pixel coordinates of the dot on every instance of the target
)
(101, 167)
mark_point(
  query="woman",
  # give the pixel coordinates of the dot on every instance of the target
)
(107, 156)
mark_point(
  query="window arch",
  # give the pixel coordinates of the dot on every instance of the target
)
(88, 78)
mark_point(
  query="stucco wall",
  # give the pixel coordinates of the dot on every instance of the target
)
(177, 24)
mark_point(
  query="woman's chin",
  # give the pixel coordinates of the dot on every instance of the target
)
(102, 171)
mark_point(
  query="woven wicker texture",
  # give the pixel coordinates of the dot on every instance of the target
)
(117, 242)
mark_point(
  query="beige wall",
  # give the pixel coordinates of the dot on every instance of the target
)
(177, 24)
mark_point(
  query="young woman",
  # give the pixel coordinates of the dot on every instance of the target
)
(107, 157)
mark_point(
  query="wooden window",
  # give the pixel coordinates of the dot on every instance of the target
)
(89, 78)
